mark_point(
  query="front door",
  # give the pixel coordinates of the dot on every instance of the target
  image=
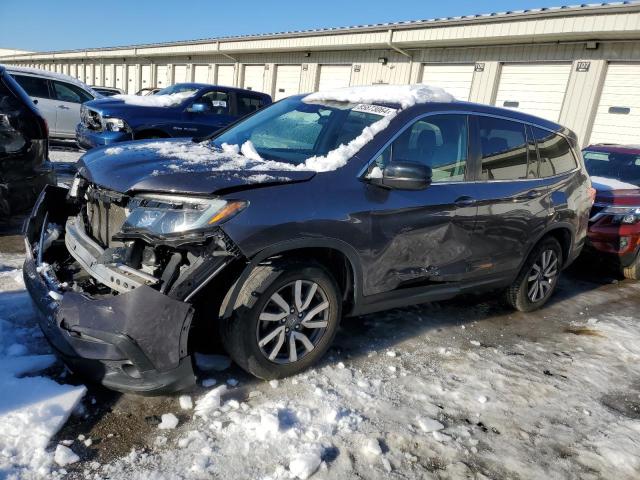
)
(205, 115)
(68, 98)
(423, 236)
(38, 89)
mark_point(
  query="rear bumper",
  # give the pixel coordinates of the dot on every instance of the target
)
(132, 342)
(89, 139)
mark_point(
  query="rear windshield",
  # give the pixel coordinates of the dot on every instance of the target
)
(292, 131)
(624, 167)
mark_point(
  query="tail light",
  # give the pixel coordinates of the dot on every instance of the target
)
(592, 195)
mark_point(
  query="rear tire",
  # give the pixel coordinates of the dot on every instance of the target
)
(259, 334)
(538, 277)
(632, 272)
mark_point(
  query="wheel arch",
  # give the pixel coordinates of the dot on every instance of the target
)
(338, 257)
(564, 232)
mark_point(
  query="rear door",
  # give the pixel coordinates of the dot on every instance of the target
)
(420, 236)
(513, 202)
(68, 98)
(39, 90)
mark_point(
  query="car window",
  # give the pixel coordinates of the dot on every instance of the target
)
(248, 104)
(503, 148)
(65, 92)
(555, 153)
(11, 138)
(217, 103)
(34, 86)
(617, 165)
(438, 141)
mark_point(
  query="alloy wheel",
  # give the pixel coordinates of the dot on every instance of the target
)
(542, 276)
(293, 321)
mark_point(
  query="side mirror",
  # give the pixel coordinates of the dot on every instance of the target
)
(198, 108)
(404, 176)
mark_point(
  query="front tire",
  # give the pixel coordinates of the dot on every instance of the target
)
(538, 277)
(284, 320)
(632, 272)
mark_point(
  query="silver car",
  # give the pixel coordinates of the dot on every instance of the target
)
(57, 96)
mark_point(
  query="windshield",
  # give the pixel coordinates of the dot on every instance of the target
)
(624, 167)
(293, 131)
(178, 88)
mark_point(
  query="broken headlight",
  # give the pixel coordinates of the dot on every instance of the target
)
(115, 125)
(160, 215)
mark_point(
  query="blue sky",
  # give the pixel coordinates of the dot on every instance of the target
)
(67, 24)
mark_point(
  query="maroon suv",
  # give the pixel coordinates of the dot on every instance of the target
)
(614, 226)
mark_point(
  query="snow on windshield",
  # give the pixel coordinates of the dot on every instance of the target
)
(59, 76)
(245, 157)
(170, 100)
(604, 183)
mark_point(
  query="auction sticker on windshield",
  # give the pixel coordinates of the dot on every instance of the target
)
(375, 109)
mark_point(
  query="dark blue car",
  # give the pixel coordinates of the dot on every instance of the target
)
(181, 110)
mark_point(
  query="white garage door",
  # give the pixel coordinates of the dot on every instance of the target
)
(132, 79)
(145, 76)
(618, 115)
(287, 80)
(108, 75)
(225, 75)
(88, 74)
(334, 76)
(120, 77)
(455, 79)
(535, 88)
(161, 76)
(179, 73)
(73, 70)
(97, 75)
(201, 73)
(254, 77)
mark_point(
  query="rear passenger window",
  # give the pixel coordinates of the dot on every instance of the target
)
(438, 141)
(504, 149)
(248, 104)
(65, 92)
(34, 86)
(555, 153)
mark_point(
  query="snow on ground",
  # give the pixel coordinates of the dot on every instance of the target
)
(32, 407)
(548, 395)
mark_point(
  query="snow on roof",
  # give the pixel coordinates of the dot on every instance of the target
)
(403, 95)
(169, 100)
(55, 75)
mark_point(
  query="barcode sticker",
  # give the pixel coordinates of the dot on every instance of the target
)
(375, 109)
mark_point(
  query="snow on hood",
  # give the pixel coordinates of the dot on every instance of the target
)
(404, 95)
(60, 76)
(170, 100)
(604, 183)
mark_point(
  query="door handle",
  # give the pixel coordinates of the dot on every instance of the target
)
(465, 201)
(63, 107)
(530, 195)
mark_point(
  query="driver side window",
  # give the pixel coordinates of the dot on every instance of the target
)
(217, 103)
(438, 141)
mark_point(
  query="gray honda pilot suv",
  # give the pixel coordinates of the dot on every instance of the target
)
(320, 206)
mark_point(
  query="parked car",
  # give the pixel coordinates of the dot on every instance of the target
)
(314, 208)
(181, 110)
(24, 167)
(57, 96)
(148, 91)
(107, 91)
(614, 226)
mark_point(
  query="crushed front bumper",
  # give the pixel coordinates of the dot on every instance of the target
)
(131, 342)
(88, 139)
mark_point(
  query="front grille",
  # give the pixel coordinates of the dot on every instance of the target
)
(106, 213)
(90, 118)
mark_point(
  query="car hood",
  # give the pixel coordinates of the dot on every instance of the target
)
(615, 192)
(180, 166)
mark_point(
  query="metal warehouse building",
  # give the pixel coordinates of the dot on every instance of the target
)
(579, 65)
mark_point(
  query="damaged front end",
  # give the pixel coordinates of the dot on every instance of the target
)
(115, 295)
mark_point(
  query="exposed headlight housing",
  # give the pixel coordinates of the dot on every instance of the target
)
(115, 125)
(619, 215)
(169, 215)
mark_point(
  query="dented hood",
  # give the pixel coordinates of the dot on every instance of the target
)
(178, 166)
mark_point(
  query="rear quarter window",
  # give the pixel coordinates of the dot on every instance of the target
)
(555, 153)
(248, 104)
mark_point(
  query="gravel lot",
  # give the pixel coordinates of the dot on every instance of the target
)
(459, 389)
